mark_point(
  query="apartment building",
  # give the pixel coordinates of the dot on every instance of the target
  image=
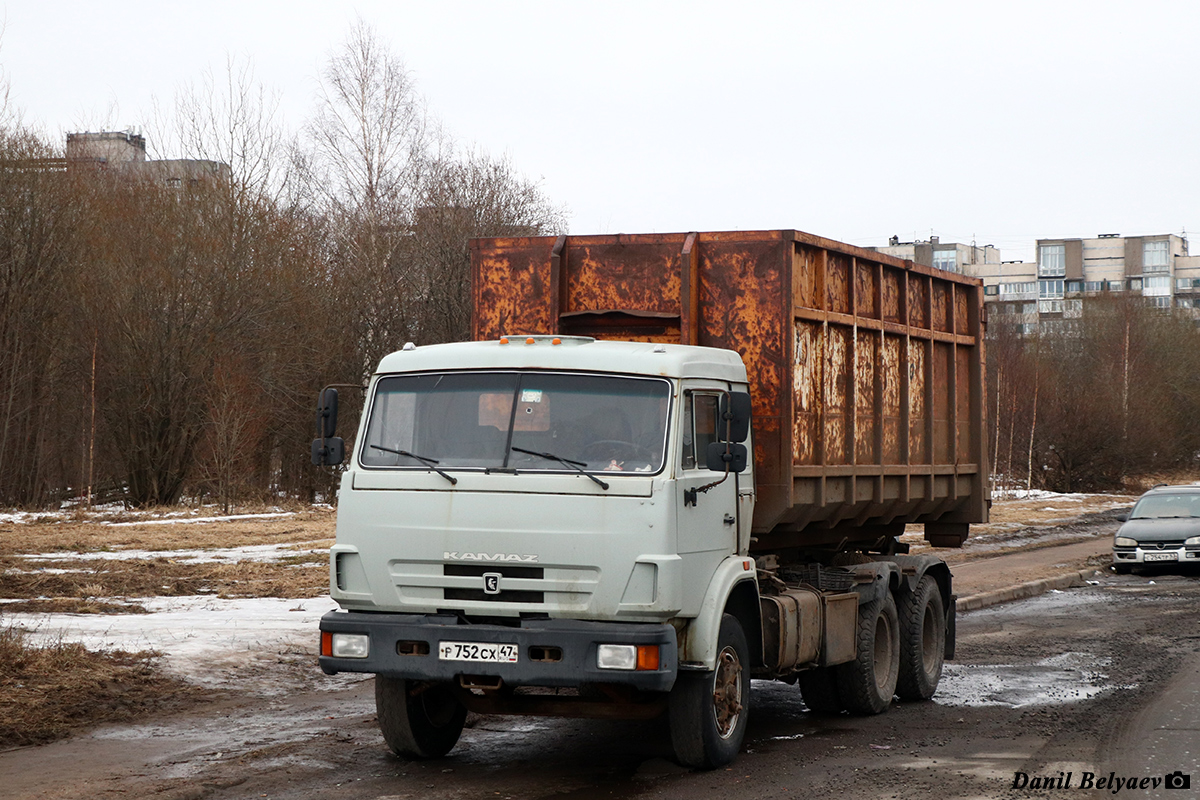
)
(126, 150)
(1049, 292)
(943, 255)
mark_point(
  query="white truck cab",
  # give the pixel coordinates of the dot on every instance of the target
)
(539, 512)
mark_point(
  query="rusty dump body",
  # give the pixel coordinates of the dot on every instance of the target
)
(866, 371)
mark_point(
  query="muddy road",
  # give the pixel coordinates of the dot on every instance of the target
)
(1088, 681)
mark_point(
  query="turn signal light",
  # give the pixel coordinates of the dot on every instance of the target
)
(647, 656)
(627, 656)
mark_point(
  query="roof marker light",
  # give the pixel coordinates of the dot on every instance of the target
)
(503, 340)
(530, 340)
(660, 348)
(408, 346)
(556, 340)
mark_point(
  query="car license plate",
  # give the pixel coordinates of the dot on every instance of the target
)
(1160, 557)
(487, 652)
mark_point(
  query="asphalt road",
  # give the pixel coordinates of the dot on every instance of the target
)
(1071, 686)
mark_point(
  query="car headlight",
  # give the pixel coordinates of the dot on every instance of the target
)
(1125, 541)
(1192, 540)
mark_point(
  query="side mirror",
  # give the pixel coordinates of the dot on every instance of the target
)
(327, 449)
(328, 452)
(327, 408)
(735, 413)
(1123, 517)
(735, 460)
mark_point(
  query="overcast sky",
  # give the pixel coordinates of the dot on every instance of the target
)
(996, 122)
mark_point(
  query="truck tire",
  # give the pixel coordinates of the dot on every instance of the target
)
(866, 684)
(819, 689)
(922, 641)
(708, 711)
(418, 720)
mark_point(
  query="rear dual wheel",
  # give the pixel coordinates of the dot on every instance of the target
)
(867, 684)
(922, 641)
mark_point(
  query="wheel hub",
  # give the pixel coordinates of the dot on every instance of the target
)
(727, 692)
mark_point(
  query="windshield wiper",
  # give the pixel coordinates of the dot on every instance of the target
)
(429, 462)
(575, 465)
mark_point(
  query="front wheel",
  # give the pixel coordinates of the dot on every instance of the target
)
(708, 710)
(418, 720)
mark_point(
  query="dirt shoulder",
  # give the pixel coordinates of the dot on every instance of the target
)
(1033, 539)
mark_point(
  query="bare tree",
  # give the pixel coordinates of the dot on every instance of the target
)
(36, 257)
(232, 121)
(363, 154)
(370, 135)
(467, 196)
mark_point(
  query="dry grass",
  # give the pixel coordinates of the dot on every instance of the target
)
(144, 533)
(72, 605)
(162, 577)
(303, 575)
(1051, 510)
(48, 691)
(1138, 485)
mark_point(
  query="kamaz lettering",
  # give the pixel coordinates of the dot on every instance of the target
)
(448, 556)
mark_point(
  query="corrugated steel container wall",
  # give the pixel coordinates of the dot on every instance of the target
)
(866, 371)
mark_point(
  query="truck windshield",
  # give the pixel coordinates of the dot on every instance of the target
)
(529, 421)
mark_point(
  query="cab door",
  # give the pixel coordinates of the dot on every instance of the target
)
(707, 514)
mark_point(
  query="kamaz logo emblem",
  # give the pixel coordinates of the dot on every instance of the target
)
(448, 556)
(491, 583)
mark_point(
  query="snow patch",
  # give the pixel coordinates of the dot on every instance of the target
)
(264, 553)
(201, 638)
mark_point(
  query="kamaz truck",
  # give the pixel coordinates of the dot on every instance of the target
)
(665, 465)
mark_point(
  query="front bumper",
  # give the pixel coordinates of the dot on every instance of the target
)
(1147, 553)
(573, 642)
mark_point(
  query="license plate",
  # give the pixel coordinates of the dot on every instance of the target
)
(1160, 557)
(486, 652)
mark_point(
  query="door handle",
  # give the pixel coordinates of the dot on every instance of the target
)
(729, 519)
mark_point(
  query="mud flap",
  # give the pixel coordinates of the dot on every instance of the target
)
(951, 618)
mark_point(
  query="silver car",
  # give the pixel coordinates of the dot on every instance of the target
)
(1163, 528)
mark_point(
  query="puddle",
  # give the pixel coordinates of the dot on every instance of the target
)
(1061, 679)
(184, 747)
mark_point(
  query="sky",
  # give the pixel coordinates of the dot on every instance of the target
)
(993, 122)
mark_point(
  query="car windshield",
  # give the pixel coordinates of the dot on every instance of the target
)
(1167, 506)
(533, 421)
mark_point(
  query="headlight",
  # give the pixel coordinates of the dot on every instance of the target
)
(616, 656)
(1125, 541)
(350, 645)
(1192, 540)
